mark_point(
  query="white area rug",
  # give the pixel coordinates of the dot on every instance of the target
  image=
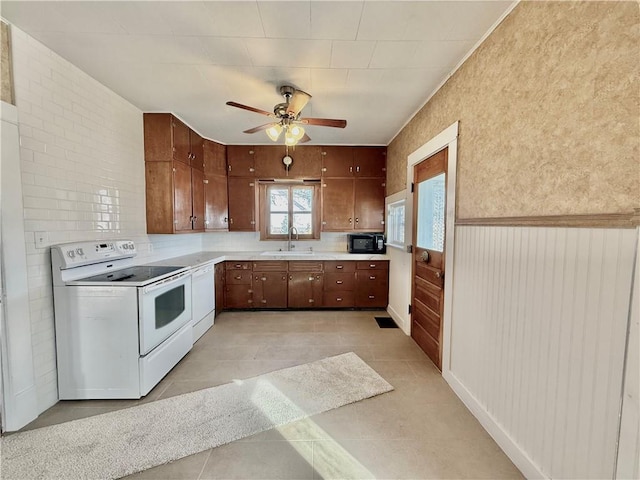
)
(127, 441)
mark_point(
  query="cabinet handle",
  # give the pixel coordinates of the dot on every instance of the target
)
(253, 222)
(317, 277)
(338, 299)
(238, 277)
(350, 220)
(324, 169)
(311, 300)
(263, 301)
(372, 265)
(357, 219)
(290, 277)
(323, 153)
(205, 182)
(350, 169)
(195, 219)
(339, 282)
(249, 301)
(357, 168)
(264, 279)
(226, 219)
(251, 152)
(339, 267)
(229, 167)
(372, 297)
(238, 265)
(311, 278)
(252, 184)
(231, 221)
(372, 277)
(251, 169)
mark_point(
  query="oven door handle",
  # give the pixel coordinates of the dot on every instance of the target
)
(166, 282)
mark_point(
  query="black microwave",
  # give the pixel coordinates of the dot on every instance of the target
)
(366, 243)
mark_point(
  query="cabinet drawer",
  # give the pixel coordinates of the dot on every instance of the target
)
(302, 266)
(341, 281)
(237, 265)
(238, 277)
(373, 264)
(339, 266)
(269, 266)
(338, 299)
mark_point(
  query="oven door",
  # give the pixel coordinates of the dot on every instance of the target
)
(164, 307)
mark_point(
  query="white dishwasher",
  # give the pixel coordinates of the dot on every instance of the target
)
(203, 297)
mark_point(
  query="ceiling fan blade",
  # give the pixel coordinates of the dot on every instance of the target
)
(251, 109)
(324, 122)
(297, 102)
(306, 138)
(259, 129)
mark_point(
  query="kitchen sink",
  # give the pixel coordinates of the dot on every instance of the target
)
(285, 253)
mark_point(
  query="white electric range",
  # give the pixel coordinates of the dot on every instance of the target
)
(120, 327)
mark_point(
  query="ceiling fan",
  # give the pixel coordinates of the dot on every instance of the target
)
(287, 117)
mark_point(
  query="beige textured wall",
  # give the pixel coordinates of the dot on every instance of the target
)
(5, 67)
(549, 111)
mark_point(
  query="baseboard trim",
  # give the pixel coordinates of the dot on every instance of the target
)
(518, 456)
(604, 220)
(404, 326)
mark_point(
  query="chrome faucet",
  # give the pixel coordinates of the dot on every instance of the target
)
(289, 246)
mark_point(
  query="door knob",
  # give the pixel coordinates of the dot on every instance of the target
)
(425, 256)
(439, 274)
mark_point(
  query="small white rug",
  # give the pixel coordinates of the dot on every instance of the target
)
(119, 443)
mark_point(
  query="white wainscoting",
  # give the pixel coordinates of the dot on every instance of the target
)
(538, 339)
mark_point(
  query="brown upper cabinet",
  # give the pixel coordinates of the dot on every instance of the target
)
(342, 162)
(306, 162)
(174, 179)
(215, 187)
(242, 204)
(241, 160)
(166, 138)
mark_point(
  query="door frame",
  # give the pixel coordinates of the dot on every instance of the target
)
(447, 138)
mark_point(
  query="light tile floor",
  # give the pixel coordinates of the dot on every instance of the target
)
(421, 430)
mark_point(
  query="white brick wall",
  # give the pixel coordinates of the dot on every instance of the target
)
(82, 159)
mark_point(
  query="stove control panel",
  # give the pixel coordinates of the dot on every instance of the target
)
(70, 255)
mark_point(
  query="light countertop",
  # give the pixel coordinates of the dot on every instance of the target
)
(204, 257)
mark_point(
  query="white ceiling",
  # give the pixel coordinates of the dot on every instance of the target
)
(373, 63)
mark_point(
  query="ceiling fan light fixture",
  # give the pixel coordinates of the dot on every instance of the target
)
(274, 131)
(289, 139)
(296, 131)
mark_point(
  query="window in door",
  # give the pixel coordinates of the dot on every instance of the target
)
(284, 206)
(431, 195)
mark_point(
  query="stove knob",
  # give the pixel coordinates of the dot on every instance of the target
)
(80, 251)
(125, 246)
(71, 254)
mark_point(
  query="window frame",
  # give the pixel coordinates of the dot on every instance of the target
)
(264, 210)
(393, 207)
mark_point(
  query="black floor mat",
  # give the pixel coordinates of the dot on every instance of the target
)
(386, 322)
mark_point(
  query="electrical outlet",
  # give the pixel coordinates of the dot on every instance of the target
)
(42, 239)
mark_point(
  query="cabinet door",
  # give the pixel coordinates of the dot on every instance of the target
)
(196, 150)
(181, 141)
(159, 177)
(242, 202)
(337, 205)
(219, 286)
(197, 199)
(305, 289)
(372, 288)
(216, 203)
(158, 145)
(337, 161)
(238, 296)
(270, 289)
(369, 204)
(307, 162)
(182, 209)
(215, 158)
(268, 161)
(370, 161)
(240, 161)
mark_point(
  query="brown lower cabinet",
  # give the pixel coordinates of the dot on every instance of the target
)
(219, 286)
(306, 284)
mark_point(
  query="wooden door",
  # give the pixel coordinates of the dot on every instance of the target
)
(181, 141)
(216, 203)
(337, 161)
(197, 199)
(429, 213)
(240, 161)
(242, 194)
(369, 161)
(369, 204)
(182, 209)
(337, 204)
